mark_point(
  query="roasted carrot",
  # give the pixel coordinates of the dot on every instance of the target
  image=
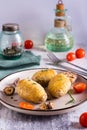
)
(26, 105)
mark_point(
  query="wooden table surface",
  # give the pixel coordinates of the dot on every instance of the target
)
(12, 120)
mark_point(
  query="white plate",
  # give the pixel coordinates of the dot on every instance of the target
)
(60, 104)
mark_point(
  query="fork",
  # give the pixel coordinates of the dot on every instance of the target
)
(57, 61)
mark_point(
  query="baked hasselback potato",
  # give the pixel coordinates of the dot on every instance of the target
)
(59, 85)
(44, 76)
(31, 91)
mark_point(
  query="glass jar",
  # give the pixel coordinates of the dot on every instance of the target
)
(11, 41)
(59, 39)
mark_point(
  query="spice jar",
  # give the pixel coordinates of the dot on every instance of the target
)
(11, 41)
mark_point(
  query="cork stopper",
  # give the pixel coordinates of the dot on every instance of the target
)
(60, 9)
(59, 23)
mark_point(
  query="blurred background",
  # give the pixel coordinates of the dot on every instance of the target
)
(36, 17)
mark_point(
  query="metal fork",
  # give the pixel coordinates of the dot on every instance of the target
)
(56, 61)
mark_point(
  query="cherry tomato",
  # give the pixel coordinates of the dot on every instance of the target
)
(80, 53)
(28, 44)
(83, 119)
(70, 56)
(79, 87)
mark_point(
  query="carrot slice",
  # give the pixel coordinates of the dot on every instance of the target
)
(26, 105)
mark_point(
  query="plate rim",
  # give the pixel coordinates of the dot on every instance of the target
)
(37, 69)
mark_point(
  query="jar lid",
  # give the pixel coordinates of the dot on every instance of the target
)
(10, 27)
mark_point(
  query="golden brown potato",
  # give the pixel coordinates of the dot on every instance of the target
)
(31, 91)
(59, 85)
(44, 76)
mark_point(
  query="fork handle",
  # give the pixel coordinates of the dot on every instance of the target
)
(74, 70)
(75, 65)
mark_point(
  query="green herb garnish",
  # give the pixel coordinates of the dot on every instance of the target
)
(72, 99)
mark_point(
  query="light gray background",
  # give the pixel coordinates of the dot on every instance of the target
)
(36, 17)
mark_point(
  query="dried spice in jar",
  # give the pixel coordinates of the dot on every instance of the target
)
(11, 41)
(11, 51)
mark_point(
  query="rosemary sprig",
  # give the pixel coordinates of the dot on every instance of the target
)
(72, 99)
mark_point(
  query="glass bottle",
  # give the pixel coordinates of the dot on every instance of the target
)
(59, 39)
(11, 41)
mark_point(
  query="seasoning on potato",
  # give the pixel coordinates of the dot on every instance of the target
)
(31, 91)
(59, 85)
(44, 76)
